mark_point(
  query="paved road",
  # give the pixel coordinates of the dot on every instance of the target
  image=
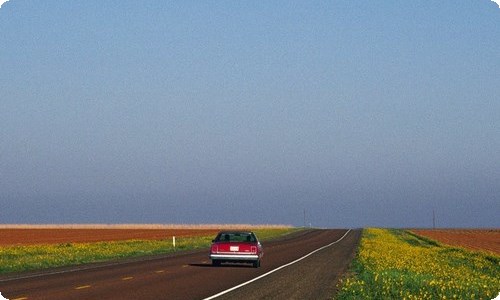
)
(191, 276)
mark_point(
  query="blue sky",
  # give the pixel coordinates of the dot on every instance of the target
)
(363, 113)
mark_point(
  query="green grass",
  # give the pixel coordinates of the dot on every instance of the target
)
(37, 257)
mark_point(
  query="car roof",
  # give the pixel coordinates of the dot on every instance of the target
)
(235, 231)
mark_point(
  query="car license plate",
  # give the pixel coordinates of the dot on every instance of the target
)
(234, 248)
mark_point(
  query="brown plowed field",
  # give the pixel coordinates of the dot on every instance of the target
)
(476, 239)
(55, 236)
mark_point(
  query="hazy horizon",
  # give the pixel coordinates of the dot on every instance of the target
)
(360, 113)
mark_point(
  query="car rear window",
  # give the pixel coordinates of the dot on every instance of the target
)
(235, 237)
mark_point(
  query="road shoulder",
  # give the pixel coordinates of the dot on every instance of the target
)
(315, 277)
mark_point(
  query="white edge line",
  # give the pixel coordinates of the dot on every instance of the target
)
(81, 268)
(277, 269)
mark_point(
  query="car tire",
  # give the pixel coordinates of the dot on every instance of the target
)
(256, 264)
(215, 263)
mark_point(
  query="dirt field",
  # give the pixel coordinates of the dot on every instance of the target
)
(57, 236)
(475, 239)
(26, 234)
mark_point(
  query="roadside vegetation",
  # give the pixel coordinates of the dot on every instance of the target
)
(396, 264)
(37, 257)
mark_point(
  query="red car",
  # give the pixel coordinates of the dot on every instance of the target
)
(237, 247)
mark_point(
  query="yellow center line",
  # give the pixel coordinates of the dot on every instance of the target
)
(82, 287)
(127, 278)
(20, 298)
(160, 271)
(185, 266)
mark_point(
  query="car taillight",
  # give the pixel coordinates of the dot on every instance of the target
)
(214, 249)
(253, 249)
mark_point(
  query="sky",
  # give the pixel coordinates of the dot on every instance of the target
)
(336, 114)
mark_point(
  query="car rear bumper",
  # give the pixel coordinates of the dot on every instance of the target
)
(234, 257)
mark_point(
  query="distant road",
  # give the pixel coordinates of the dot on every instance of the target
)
(191, 275)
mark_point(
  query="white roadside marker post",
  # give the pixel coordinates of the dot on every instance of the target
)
(173, 241)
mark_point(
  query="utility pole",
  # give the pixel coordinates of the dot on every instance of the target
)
(433, 219)
(304, 218)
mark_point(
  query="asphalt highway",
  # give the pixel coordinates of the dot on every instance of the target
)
(191, 275)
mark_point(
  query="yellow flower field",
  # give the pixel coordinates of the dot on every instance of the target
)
(394, 264)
